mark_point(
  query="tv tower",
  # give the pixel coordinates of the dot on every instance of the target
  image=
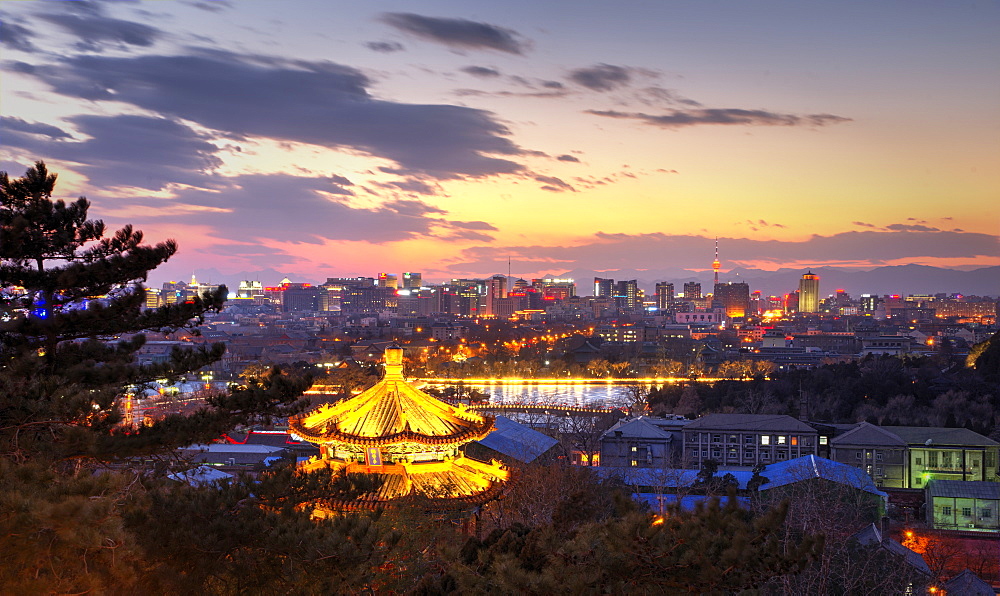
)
(716, 265)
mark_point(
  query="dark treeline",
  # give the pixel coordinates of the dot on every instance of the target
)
(882, 390)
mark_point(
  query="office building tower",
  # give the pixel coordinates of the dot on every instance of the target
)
(412, 281)
(734, 298)
(664, 295)
(627, 294)
(387, 280)
(496, 289)
(604, 287)
(809, 293)
(692, 290)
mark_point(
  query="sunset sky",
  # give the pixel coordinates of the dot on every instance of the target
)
(323, 138)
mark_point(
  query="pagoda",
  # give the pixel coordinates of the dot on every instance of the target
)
(408, 439)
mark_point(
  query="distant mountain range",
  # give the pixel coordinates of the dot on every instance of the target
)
(900, 279)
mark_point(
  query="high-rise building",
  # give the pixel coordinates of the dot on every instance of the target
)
(387, 280)
(664, 295)
(412, 281)
(555, 288)
(692, 290)
(604, 287)
(809, 293)
(734, 297)
(250, 289)
(627, 293)
(496, 288)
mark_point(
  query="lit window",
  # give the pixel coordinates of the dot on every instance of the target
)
(824, 440)
(765, 439)
(795, 440)
(781, 439)
(633, 449)
(634, 463)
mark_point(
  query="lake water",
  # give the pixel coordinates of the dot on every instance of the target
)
(563, 394)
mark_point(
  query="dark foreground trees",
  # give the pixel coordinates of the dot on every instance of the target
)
(71, 321)
(70, 324)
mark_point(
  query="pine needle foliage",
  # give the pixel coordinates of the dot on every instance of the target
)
(71, 321)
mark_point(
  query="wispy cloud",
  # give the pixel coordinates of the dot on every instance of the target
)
(601, 77)
(723, 116)
(457, 33)
(482, 72)
(384, 47)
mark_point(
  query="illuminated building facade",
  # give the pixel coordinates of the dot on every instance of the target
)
(387, 280)
(809, 293)
(408, 439)
(664, 295)
(412, 281)
(627, 294)
(735, 298)
(692, 290)
(603, 286)
(496, 290)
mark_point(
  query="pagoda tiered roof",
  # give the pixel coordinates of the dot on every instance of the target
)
(462, 482)
(409, 441)
(391, 412)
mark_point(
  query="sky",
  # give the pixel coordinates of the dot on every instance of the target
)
(322, 138)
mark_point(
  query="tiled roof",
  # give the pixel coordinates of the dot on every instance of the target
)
(517, 440)
(867, 433)
(964, 489)
(750, 422)
(637, 428)
(811, 466)
(872, 536)
(968, 583)
(930, 435)
(391, 412)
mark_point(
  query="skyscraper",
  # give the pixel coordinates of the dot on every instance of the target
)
(627, 293)
(496, 288)
(735, 298)
(412, 281)
(604, 287)
(387, 280)
(809, 292)
(664, 295)
(692, 290)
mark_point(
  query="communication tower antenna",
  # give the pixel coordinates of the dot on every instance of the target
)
(716, 265)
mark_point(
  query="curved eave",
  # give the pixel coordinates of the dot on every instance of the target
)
(411, 500)
(473, 433)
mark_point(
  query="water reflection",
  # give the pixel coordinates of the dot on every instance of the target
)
(599, 395)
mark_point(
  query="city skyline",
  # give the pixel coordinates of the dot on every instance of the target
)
(334, 139)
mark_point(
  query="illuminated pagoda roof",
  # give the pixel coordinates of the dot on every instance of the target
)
(391, 412)
(407, 439)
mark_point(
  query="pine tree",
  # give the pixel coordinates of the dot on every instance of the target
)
(71, 321)
(69, 294)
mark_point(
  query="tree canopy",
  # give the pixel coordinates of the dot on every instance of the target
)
(71, 321)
